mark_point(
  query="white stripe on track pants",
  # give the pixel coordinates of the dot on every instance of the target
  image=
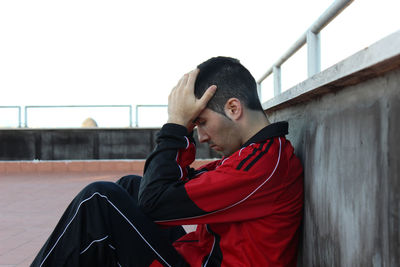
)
(104, 227)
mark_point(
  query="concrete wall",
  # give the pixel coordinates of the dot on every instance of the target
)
(81, 144)
(345, 126)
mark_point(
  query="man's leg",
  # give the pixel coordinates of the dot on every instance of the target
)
(131, 184)
(104, 227)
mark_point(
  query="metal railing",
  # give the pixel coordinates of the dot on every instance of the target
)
(19, 113)
(28, 110)
(145, 106)
(312, 38)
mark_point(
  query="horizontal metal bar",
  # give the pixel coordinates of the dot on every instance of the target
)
(80, 106)
(293, 49)
(335, 9)
(151, 106)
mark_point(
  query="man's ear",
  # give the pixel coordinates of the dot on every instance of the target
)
(233, 109)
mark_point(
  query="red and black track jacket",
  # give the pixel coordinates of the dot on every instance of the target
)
(248, 206)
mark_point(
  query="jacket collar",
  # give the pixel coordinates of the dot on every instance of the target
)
(273, 130)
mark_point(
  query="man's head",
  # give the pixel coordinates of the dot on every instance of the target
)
(232, 80)
(234, 113)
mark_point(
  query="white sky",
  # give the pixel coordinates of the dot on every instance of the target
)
(133, 52)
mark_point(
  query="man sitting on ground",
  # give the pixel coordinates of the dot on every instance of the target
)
(247, 205)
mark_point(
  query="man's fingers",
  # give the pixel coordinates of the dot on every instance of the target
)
(183, 107)
(192, 78)
(182, 81)
(208, 94)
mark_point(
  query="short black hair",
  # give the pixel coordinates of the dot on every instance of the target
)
(232, 80)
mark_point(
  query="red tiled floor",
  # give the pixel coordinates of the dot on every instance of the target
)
(30, 206)
(31, 201)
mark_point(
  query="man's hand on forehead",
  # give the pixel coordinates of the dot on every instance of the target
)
(183, 106)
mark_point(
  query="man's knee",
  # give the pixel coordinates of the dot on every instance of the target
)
(131, 184)
(101, 187)
(128, 179)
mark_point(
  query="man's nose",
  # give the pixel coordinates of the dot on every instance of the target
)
(202, 135)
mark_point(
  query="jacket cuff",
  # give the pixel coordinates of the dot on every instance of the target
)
(174, 129)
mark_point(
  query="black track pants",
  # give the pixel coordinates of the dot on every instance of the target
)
(104, 227)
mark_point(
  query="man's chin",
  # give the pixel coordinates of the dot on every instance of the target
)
(217, 149)
(222, 153)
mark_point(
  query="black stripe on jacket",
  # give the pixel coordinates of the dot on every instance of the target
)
(255, 150)
(259, 155)
(214, 259)
(262, 149)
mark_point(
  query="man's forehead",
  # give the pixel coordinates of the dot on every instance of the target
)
(206, 113)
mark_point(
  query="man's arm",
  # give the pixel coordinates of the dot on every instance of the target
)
(230, 192)
(162, 193)
(163, 171)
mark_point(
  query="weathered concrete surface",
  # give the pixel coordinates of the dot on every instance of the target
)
(348, 141)
(82, 144)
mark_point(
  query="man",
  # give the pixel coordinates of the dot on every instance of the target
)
(247, 205)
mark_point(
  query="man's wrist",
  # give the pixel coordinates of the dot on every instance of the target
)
(174, 128)
(178, 121)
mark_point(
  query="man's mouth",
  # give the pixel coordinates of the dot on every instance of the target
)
(215, 147)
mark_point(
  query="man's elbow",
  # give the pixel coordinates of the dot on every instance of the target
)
(147, 204)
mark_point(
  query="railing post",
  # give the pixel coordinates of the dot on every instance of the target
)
(26, 117)
(259, 90)
(137, 116)
(313, 53)
(130, 116)
(312, 38)
(19, 117)
(277, 80)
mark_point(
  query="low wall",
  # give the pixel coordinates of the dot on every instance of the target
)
(82, 144)
(345, 126)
